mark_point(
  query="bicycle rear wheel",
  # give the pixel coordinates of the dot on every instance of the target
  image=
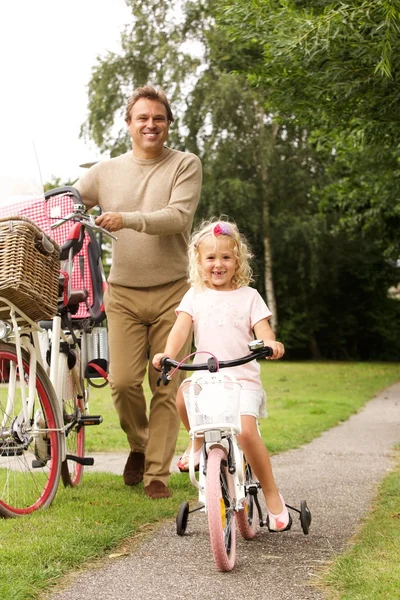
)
(73, 409)
(221, 510)
(247, 519)
(30, 452)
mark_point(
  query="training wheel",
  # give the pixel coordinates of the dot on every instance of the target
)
(305, 517)
(182, 518)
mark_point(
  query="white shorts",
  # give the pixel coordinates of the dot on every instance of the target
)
(253, 403)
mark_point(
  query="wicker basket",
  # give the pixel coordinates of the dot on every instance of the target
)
(29, 268)
(212, 402)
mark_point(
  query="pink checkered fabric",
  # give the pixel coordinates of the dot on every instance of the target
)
(44, 214)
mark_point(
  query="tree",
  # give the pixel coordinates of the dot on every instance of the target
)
(259, 168)
(152, 52)
(334, 68)
(237, 145)
(161, 42)
(56, 182)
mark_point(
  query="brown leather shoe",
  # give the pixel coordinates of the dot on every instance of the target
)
(157, 489)
(134, 468)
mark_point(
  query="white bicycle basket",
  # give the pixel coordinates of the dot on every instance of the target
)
(212, 402)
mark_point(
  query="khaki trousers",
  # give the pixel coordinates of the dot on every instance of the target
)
(139, 321)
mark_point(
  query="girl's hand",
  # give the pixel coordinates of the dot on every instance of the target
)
(263, 331)
(278, 349)
(157, 360)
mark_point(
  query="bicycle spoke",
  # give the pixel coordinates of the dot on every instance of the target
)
(73, 409)
(220, 510)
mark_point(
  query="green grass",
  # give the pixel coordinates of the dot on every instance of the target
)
(82, 524)
(304, 399)
(103, 516)
(370, 570)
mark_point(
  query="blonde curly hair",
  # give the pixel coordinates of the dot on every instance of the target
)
(216, 228)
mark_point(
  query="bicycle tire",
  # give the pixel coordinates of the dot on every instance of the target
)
(73, 409)
(305, 517)
(30, 453)
(247, 520)
(221, 510)
(182, 518)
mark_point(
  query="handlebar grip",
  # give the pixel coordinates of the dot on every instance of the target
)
(65, 190)
(267, 351)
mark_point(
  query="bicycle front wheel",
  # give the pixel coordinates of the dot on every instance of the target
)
(73, 409)
(30, 450)
(247, 518)
(221, 510)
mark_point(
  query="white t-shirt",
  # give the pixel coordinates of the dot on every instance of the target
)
(223, 323)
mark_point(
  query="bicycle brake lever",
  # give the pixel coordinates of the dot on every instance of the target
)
(164, 379)
(91, 222)
(105, 231)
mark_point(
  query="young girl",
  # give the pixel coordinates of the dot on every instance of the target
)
(226, 314)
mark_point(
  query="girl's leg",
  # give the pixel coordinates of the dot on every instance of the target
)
(258, 457)
(181, 407)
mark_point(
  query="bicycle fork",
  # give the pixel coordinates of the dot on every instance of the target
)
(214, 438)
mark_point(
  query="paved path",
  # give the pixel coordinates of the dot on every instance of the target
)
(337, 474)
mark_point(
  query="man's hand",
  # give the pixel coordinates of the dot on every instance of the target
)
(112, 221)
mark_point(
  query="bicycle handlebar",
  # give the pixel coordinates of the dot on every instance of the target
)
(79, 212)
(211, 365)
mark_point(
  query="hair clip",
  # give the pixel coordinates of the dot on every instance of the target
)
(222, 228)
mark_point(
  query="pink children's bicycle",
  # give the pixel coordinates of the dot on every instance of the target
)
(228, 492)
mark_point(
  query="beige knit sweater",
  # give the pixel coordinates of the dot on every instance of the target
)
(157, 199)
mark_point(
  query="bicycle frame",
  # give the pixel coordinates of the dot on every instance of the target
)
(226, 487)
(43, 396)
(224, 437)
(21, 338)
(226, 490)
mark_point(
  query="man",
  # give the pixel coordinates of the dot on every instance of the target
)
(149, 196)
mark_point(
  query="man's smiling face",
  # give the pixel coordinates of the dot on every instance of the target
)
(148, 127)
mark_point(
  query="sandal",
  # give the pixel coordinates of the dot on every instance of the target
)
(281, 522)
(183, 462)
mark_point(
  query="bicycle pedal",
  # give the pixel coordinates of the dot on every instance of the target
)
(88, 420)
(39, 464)
(252, 489)
(84, 461)
(11, 451)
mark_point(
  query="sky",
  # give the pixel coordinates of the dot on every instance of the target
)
(47, 51)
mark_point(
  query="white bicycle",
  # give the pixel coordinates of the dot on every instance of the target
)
(43, 365)
(228, 493)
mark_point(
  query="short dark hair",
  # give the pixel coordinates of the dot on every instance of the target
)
(150, 93)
